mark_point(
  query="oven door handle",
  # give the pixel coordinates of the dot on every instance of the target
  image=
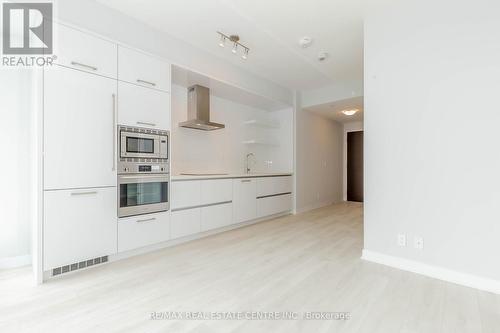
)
(142, 179)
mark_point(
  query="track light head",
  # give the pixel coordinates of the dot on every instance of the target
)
(222, 42)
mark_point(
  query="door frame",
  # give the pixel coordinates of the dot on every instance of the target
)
(355, 126)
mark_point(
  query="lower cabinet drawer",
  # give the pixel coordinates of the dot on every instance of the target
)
(274, 185)
(216, 191)
(78, 225)
(138, 231)
(185, 222)
(217, 216)
(274, 205)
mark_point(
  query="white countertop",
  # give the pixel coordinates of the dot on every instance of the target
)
(229, 175)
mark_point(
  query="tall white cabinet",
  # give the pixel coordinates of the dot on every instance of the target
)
(94, 86)
(80, 144)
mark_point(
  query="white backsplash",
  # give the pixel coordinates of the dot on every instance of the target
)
(223, 151)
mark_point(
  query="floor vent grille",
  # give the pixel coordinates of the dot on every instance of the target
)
(79, 265)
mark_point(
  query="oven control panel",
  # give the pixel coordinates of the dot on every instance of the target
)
(143, 168)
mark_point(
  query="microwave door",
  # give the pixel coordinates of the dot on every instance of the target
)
(139, 145)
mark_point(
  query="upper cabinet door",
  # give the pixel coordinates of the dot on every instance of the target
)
(85, 52)
(143, 107)
(142, 69)
(79, 129)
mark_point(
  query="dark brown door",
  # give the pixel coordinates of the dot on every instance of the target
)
(355, 166)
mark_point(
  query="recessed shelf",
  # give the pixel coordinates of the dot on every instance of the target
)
(260, 142)
(263, 123)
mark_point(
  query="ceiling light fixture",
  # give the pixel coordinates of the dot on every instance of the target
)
(222, 42)
(322, 56)
(235, 39)
(305, 42)
(350, 112)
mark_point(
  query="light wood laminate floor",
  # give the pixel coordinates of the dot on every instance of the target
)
(306, 262)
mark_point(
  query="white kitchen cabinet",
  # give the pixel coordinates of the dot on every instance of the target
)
(85, 52)
(216, 191)
(78, 225)
(185, 222)
(143, 107)
(185, 194)
(274, 185)
(274, 205)
(216, 216)
(79, 129)
(142, 69)
(139, 231)
(244, 199)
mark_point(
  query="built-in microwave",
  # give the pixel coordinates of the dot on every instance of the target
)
(143, 143)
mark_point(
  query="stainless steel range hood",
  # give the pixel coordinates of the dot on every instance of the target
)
(199, 110)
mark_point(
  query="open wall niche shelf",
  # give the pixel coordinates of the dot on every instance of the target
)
(261, 142)
(263, 123)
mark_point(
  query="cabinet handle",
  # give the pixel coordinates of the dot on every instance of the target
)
(246, 180)
(147, 124)
(114, 131)
(146, 220)
(146, 82)
(74, 63)
(84, 193)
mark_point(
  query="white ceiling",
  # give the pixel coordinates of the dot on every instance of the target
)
(272, 29)
(334, 110)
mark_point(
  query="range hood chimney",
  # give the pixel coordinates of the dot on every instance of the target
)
(199, 110)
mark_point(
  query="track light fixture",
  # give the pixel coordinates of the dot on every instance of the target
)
(235, 39)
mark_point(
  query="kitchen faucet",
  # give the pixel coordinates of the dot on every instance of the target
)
(247, 160)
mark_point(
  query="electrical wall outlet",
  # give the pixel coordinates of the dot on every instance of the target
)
(418, 243)
(402, 240)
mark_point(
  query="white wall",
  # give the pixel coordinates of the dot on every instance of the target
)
(15, 136)
(432, 161)
(319, 161)
(223, 151)
(337, 92)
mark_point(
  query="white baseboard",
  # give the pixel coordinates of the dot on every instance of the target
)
(436, 272)
(14, 262)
